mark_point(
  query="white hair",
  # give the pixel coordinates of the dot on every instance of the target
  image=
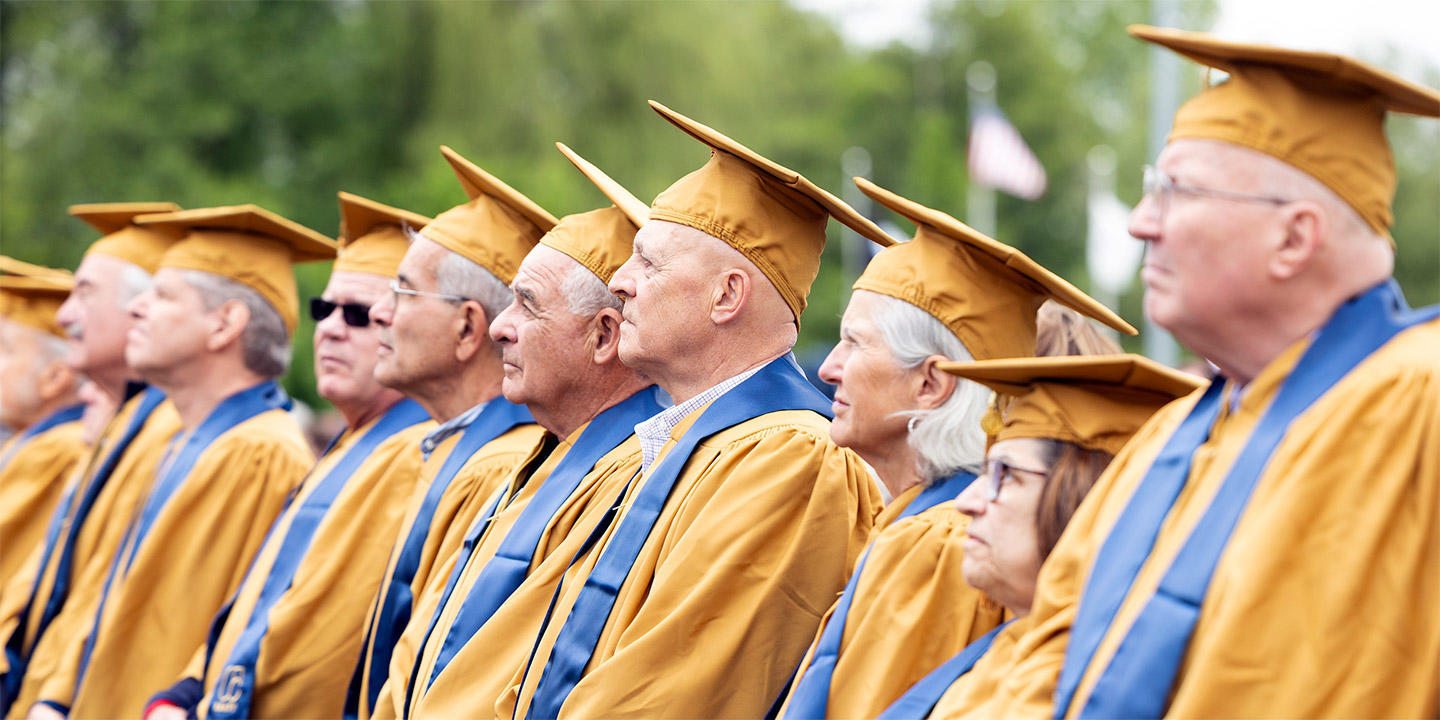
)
(456, 274)
(133, 281)
(265, 341)
(946, 439)
(585, 293)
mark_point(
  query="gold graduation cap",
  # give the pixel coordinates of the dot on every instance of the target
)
(985, 291)
(771, 214)
(372, 236)
(123, 238)
(32, 294)
(245, 243)
(496, 228)
(1320, 112)
(1095, 401)
(601, 240)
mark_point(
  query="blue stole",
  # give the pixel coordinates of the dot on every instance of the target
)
(812, 695)
(395, 598)
(503, 573)
(231, 412)
(775, 387)
(921, 698)
(1138, 680)
(63, 415)
(236, 685)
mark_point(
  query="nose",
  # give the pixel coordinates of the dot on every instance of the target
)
(502, 330)
(1146, 219)
(383, 313)
(971, 500)
(833, 369)
(65, 316)
(622, 283)
(333, 325)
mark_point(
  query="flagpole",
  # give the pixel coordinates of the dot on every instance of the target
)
(979, 198)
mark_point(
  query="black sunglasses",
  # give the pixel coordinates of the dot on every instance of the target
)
(355, 314)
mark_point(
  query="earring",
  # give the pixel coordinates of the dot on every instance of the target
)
(910, 426)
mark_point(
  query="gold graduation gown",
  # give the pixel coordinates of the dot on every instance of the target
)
(1324, 603)
(758, 536)
(469, 493)
(483, 668)
(316, 627)
(983, 680)
(95, 545)
(911, 612)
(31, 484)
(188, 566)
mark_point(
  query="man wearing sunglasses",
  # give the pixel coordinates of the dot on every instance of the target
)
(1266, 547)
(435, 347)
(286, 645)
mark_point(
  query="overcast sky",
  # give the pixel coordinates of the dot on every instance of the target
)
(1364, 28)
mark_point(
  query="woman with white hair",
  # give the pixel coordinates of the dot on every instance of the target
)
(950, 294)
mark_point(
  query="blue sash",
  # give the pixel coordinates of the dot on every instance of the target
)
(775, 387)
(921, 698)
(236, 684)
(233, 411)
(1138, 680)
(395, 598)
(63, 415)
(503, 573)
(812, 695)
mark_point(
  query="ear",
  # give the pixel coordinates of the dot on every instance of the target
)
(229, 321)
(732, 290)
(56, 380)
(1306, 230)
(605, 336)
(471, 331)
(935, 386)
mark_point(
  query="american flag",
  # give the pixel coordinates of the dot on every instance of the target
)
(999, 157)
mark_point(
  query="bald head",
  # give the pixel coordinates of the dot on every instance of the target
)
(696, 310)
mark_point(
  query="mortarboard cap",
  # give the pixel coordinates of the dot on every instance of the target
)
(496, 228)
(1094, 401)
(1320, 112)
(247, 244)
(771, 214)
(32, 294)
(601, 240)
(123, 239)
(372, 236)
(985, 291)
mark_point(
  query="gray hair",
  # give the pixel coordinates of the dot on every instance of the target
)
(459, 275)
(133, 281)
(586, 293)
(265, 341)
(946, 439)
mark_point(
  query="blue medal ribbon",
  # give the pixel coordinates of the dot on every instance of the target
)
(923, 696)
(775, 387)
(236, 686)
(63, 415)
(396, 598)
(504, 572)
(231, 412)
(812, 695)
(1138, 680)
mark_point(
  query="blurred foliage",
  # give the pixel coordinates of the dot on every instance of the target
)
(284, 103)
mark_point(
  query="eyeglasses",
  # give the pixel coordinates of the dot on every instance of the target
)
(354, 314)
(1161, 187)
(997, 471)
(398, 291)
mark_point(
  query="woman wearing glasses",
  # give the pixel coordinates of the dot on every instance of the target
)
(1066, 419)
(949, 294)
